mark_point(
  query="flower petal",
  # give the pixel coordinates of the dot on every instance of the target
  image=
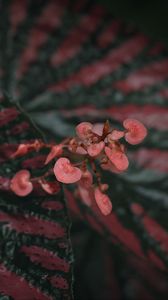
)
(83, 130)
(115, 135)
(65, 172)
(86, 195)
(21, 184)
(110, 167)
(136, 131)
(95, 149)
(81, 150)
(98, 128)
(118, 158)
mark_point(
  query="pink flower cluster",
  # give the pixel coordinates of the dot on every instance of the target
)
(75, 160)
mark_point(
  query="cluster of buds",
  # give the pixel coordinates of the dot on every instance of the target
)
(76, 161)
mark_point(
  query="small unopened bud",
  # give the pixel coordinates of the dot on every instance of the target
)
(55, 151)
(103, 202)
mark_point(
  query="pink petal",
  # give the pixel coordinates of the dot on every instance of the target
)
(136, 131)
(110, 167)
(103, 202)
(118, 158)
(115, 135)
(79, 150)
(21, 150)
(21, 184)
(86, 179)
(98, 128)
(86, 195)
(83, 130)
(55, 151)
(65, 172)
(95, 149)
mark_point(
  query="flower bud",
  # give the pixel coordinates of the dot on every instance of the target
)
(103, 202)
(55, 151)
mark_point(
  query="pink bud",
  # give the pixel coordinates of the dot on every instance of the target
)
(83, 130)
(118, 158)
(136, 131)
(55, 151)
(104, 187)
(65, 172)
(21, 184)
(50, 187)
(86, 195)
(21, 150)
(95, 149)
(103, 202)
(86, 179)
(115, 135)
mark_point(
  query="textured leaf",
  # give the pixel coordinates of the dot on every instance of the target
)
(35, 251)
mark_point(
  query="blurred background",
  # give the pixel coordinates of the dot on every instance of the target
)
(72, 61)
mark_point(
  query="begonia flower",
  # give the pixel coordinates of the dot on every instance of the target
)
(136, 131)
(83, 130)
(65, 172)
(21, 184)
